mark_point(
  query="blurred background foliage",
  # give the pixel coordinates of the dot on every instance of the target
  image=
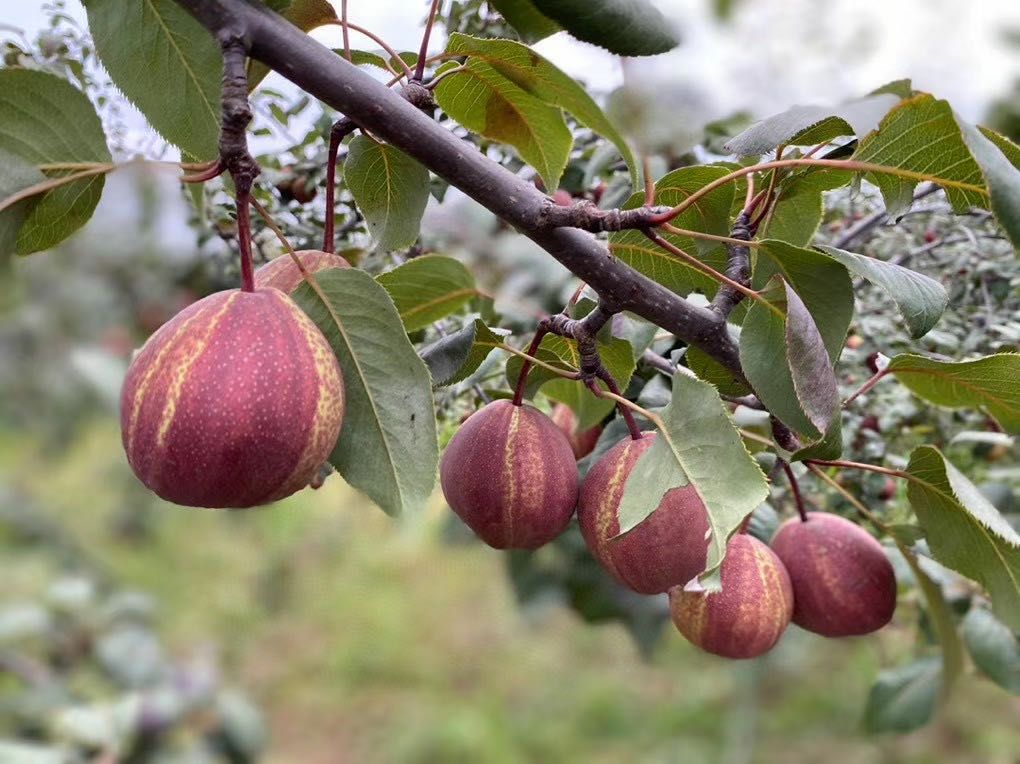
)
(318, 630)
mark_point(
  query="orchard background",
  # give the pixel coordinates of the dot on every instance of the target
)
(320, 629)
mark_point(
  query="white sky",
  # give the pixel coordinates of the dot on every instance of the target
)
(774, 53)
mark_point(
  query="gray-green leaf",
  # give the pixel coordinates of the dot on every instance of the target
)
(390, 189)
(387, 446)
(624, 27)
(46, 120)
(428, 288)
(964, 531)
(167, 65)
(528, 70)
(920, 299)
(483, 100)
(904, 698)
(990, 382)
(803, 125)
(993, 647)
(526, 19)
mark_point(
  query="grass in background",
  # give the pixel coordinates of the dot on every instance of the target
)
(370, 640)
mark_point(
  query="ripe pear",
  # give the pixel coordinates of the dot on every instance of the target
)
(843, 583)
(666, 549)
(235, 402)
(510, 474)
(582, 442)
(283, 274)
(750, 614)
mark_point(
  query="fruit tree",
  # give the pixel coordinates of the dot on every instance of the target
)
(641, 436)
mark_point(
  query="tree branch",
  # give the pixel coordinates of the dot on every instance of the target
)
(738, 268)
(322, 73)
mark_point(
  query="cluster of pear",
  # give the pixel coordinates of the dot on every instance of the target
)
(237, 400)
(510, 474)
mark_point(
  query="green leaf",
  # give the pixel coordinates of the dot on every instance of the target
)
(526, 19)
(710, 215)
(920, 135)
(993, 647)
(387, 446)
(390, 189)
(806, 125)
(823, 285)
(624, 27)
(989, 382)
(457, 356)
(1009, 149)
(46, 120)
(699, 445)
(534, 74)
(306, 15)
(483, 100)
(920, 299)
(964, 531)
(799, 206)
(904, 698)
(166, 64)
(15, 175)
(1001, 176)
(710, 370)
(784, 357)
(617, 356)
(428, 288)
(942, 618)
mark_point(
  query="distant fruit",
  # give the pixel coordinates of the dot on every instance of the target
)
(843, 583)
(581, 442)
(235, 402)
(854, 341)
(282, 273)
(750, 614)
(510, 474)
(667, 549)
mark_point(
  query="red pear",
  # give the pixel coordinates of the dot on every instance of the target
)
(666, 549)
(283, 274)
(235, 402)
(510, 475)
(581, 442)
(752, 611)
(843, 583)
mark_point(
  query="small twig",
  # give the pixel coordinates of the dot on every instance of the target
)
(708, 270)
(529, 361)
(738, 268)
(234, 143)
(795, 488)
(837, 164)
(49, 185)
(854, 501)
(340, 130)
(213, 171)
(858, 466)
(346, 33)
(419, 69)
(670, 228)
(431, 85)
(872, 381)
(380, 42)
(587, 216)
(646, 170)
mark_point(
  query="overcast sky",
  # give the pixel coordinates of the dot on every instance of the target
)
(774, 53)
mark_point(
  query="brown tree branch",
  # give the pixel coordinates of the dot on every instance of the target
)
(322, 73)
